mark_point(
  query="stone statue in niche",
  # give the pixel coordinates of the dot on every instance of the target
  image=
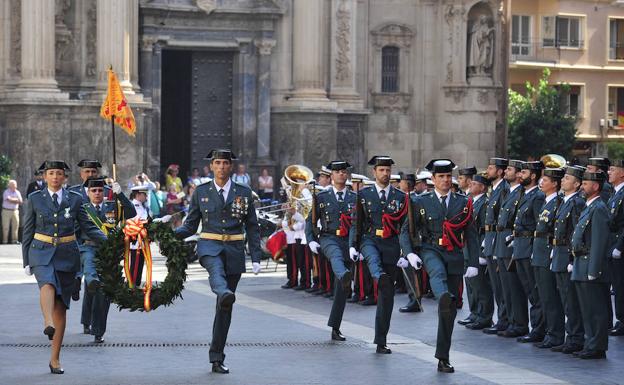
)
(481, 47)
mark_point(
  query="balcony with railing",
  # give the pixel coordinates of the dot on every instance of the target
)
(543, 51)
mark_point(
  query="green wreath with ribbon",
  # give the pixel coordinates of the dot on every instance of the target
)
(121, 290)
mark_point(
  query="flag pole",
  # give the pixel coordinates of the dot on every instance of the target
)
(114, 149)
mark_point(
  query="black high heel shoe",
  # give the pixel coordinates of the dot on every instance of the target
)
(55, 370)
(49, 331)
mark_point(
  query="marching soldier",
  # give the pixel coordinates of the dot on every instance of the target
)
(514, 298)
(590, 272)
(601, 164)
(552, 308)
(482, 307)
(334, 208)
(524, 229)
(444, 221)
(228, 217)
(104, 214)
(499, 189)
(566, 219)
(616, 242)
(383, 210)
(50, 251)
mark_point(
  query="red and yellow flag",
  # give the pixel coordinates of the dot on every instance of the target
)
(116, 105)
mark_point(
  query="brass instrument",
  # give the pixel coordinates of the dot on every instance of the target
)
(553, 161)
(295, 182)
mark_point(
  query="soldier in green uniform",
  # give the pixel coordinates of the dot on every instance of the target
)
(552, 308)
(566, 219)
(499, 188)
(616, 242)
(590, 272)
(443, 220)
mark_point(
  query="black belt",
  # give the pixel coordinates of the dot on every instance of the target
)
(559, 242)
(580, 252)
(542, 234)
(502, 228)
(522, 234)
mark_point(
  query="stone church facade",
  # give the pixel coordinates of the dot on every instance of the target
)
(278, 81)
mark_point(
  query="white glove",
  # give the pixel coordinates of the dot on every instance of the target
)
(27, 270)
(116, 188)
(361, 257)
(483, 243)
(314, 246)
(402, 263)
(511, 244)
(570, 267)
(552, 253)
(285, 225)
(164, 219)
(508, 238)
(353, 254)
(591, 277)
(482, 261)
(255, 267)
(414, 260)
(471, 272)
(617, 254)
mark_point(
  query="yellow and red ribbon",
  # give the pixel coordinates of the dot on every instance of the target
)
(135, 231)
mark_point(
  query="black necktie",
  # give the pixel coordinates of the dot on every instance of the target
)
(383, 197)
(221, 192)
(55, 200)
(340, 199)
(443, 202)
(97, 210)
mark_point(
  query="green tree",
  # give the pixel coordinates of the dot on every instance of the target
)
(5, 171)
(538, 124)
(616, 150)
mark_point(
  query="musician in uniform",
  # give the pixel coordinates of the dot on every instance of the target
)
(380, 217)
(499, 188)
(333, 208)
(50, 251)
(590, 245)
(616, 241)
(565, 221)
(450, 248)
(552, 309)
(228, 217)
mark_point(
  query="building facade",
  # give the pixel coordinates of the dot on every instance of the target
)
(582, 42)
(278, 81)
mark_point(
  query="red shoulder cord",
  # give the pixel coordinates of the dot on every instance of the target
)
(389, 221)
(449, 239)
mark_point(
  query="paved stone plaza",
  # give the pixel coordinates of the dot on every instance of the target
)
(277, 337)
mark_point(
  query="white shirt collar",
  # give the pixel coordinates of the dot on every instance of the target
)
(476, 197)
(529, 190)
(618, 187)
(226, 188)
(386, 189)
(343, 191)
(551, 197)
(439, 195)
(59, 199)
(495, 185)
(514, 187)
(589, 202)
(567, 197)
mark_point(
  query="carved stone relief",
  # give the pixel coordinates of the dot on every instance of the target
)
(343, 42)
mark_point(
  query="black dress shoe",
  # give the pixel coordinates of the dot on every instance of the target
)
(76, 293)
(592, 355)
(54, 370)
(354, 299)
(512, 332)
(546, 345)
(320, 291)
(466, 321)
(531, 337)
(49, 331)
(368, 301)
(429, 294)
(411, 307)
(478, 325)
(218, 367)
(86, 329)
(383, 349)
(572, 348)
(337, 336)
(558, 349)
(313, 289)
(445, 367)
(226, 301)
(300, 287)
(346, 282)
(98, 340)
(287, 285)
(93, 286)
(491, 330)
(617, 331)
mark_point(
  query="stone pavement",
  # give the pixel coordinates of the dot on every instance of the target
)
(278, 337)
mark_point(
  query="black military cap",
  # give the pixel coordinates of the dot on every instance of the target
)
(481, 179)
(94, 181)
(440, 166)
(89, 163)
(381, 160)
(602, 163)
(409, 177)
(618, 163)
(518, 164)
(534, 165)
(221, 154)
(54, 165)
(556, 173)
(575, 171)
(469, 171)
(338, 165)
(599, 176)
(500, 162)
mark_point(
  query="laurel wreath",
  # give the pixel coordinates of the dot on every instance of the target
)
(109, 266)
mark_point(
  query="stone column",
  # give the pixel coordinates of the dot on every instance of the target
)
(117, 42)
(308, 40)
(147, 53)
(38, 50)
(343, 59)
(264, 47)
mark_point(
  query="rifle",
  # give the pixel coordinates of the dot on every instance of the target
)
(359, 212)
(415, 289)
(511, 267)
(315, 229)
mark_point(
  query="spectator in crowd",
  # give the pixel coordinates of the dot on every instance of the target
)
(141, 180)
(207, 175)
(37, 184)
(195, 177)
(265, 185)
(175, 205)
(172, 178)
(11, 200)
(155, 204)
(241, 176)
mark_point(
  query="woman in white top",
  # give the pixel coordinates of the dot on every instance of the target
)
(265, 185)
